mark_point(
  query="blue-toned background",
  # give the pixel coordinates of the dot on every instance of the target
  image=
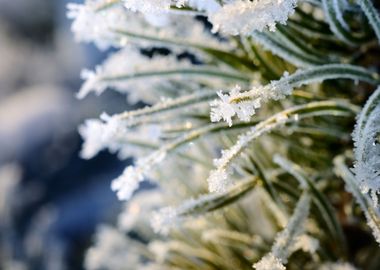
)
(49, 214)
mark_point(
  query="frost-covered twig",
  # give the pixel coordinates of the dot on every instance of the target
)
(372, 215)
(367, 147)
(129, 69)
(243, 104)
(218, 180)
(338, 25)
(243, 17)
(169, 217)
(286, 239)
(372, 15)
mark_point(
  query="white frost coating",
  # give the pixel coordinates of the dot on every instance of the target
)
(225, 109)
(286, 240)
(90, 25)
(148, 6)
(244, 104)
(127, 62)
(163, 6)
(99, 134)
(364, 203)
(243, 17)
(92, 82)
(128, 182)
(269, 262)
(164, 220)
(218, 179)
(367, 148)
(209, 6)
(114, 134)
(375, 227)
(170, 217)
(233, 17)
(306, 243)
(110, 251)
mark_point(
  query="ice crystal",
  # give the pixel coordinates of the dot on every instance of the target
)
(128, 182)
(99, 134)
(225, 109)
(269, 262)
(164, 220)
(91, 25)
(210, 6)
(218, 179)
(243, 17)
(119, 71)
(148, 6)
(243, 104)
(170, 217)
(116, 135)
(92, 82)
(306, 243)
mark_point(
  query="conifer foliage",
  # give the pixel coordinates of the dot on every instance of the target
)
(246, 135)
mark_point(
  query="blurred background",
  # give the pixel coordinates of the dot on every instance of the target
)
(50, 199)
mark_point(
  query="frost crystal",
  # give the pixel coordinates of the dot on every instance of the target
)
(90, 25)
(148, 6)
(269, 262)
(92, 82)
(243, 104)
(99, 134)
(226, 109)
(244, 17)
(128, 182)
(367, 148)
(218, 179)
(306, 243)
(209, 6)
(116, 135)
(170, 217)
(119, 71)
(164, 220)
